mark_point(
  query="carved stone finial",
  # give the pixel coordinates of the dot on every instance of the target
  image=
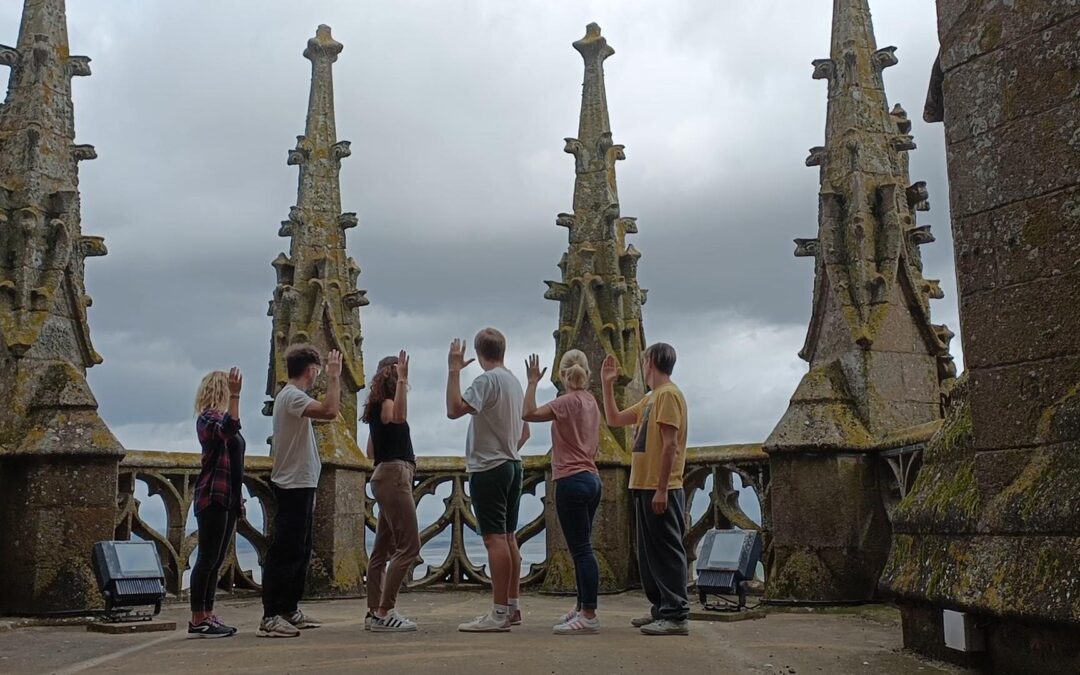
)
(323, 46)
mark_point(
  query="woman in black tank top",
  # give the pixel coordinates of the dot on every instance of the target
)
(397, 536)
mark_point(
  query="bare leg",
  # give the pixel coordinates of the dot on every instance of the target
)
(513, 586)
(500, 558)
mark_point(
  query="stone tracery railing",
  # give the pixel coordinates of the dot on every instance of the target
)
(171, 476)
(723, 463)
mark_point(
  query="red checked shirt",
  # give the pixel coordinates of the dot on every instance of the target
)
(217, 483)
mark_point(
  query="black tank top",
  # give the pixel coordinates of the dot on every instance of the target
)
(391, 441)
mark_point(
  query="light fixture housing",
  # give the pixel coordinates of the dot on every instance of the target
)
(726, 560)
(129, 576)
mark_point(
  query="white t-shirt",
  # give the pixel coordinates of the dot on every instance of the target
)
(495, 429)
(296, 458)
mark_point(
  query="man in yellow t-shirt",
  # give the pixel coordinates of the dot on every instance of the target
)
(656, 487)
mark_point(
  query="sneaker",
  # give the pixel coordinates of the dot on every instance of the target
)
(218, 621)
(486, 624)
(392, 623)
(208, 628)
(276, 627)
(515, 617)
(301, 620)
(579, 625)
(368, 619)
(568, 617)
(642, 621)
(666, 627)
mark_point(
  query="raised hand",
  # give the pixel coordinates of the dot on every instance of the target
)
(609, 371)
(333, 364)
(402, 366)
(532, 369)
(236, 381)
(456, 359)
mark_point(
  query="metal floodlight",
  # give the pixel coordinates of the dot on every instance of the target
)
(727, 559)
(129, 575)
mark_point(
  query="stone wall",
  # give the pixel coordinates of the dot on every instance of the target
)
(993, 526)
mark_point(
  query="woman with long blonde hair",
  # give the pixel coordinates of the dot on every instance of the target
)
(575, 439)
(218, 498)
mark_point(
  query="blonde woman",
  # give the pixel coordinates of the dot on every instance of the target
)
(218, 500)
(575, 437)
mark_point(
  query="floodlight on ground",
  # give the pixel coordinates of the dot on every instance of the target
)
(728, 559)
(130, 576)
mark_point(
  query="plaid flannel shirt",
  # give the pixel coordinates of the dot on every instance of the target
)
(215, 484)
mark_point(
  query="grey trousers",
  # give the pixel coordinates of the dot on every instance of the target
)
(661, 554)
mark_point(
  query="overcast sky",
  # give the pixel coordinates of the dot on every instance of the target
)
(456, 111)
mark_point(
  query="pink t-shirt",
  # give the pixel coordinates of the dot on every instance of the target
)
(575, 433)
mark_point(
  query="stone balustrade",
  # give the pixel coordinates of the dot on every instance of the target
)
(172, 475)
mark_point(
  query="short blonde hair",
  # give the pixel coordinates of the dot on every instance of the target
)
(213, 392)
(574, 369)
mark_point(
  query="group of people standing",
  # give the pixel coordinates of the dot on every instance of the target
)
(500, 412)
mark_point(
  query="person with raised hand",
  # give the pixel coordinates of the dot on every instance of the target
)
(496, 434)
(218, 501)
(656, 486)
(397, 535)
(294, 479)
(575, 439)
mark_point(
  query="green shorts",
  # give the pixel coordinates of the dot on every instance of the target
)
(496, 495)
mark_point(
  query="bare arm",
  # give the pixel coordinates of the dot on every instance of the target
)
(530, 412)
(667, 458)
(328, 408)
(455, 405)
(370, 448)
(236, 382)
(612, 415)
(401, 393)
(524, 436)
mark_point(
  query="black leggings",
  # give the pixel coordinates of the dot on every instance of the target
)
(216, 526)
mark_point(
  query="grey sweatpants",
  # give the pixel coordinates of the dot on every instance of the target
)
(661, 554)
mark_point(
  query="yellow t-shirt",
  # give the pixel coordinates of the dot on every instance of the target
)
(664, 405)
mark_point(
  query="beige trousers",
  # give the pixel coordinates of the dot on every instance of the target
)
(397, 536)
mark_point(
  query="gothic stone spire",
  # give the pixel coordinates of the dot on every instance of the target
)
(316, 299)
(599, 297)
(44, 335)
(878, 364)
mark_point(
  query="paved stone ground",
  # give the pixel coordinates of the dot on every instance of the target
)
(864, 641)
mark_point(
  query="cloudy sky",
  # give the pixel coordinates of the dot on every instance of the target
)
(456, 111)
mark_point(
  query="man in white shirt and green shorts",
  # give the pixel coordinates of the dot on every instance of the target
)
(496, 433)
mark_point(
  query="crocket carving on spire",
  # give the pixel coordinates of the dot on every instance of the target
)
(598, 294)
(316, 299)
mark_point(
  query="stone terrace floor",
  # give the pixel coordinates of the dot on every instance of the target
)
(865, 640)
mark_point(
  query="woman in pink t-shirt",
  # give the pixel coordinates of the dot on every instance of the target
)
(575, 436)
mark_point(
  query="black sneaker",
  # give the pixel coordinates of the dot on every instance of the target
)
(208, 629)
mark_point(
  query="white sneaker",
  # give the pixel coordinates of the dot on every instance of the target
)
(486, 624)
(579, 625)
(276, 627)
(301, 620)
(368, 618)
(392, 623)
(666, 627)
(569, 616)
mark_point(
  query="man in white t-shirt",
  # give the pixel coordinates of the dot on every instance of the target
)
(496, 434)
(294, 479)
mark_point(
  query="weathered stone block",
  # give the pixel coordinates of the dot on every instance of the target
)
(1021, 242)
(1008, 403)
(1027, 78)
(830, 530)
(1046, 330)
(998, 167)
(1028, 491)
(339, 558)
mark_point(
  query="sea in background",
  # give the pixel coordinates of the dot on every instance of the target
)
(534, 551)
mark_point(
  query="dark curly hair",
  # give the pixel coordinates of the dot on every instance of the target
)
(382, 387)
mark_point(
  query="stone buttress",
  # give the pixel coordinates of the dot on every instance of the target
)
(58, 459)
(600, 314)
(316, 301)
(992, 526)
(878, 365)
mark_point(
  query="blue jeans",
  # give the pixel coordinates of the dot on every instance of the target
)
(576, 500)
